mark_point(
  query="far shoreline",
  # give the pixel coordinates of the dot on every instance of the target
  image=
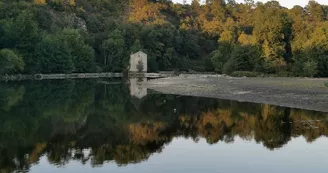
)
(19, 77)
(22, 77)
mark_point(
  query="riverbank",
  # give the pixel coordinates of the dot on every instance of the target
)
(19, 77)
(303, 93)
(58, 76)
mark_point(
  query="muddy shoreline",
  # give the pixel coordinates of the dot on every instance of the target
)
(302, 93)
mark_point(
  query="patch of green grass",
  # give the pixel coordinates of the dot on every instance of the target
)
(326, 84)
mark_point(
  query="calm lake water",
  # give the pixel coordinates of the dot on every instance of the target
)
(107, 125)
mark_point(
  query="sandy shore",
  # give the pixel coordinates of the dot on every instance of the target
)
(303, 93)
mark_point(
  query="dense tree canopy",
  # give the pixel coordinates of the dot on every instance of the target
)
(211, 36)
(10, 62)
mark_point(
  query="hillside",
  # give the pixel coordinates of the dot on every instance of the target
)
(65, 36)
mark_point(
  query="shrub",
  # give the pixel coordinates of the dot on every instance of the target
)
(310, 68)
(196, 65)
(229, 66)
(209, 66)
(140, 66)
(98, 69)
(10, 62)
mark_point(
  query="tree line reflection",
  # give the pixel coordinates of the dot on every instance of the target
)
(93, 121)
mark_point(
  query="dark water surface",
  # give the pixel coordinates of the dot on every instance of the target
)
(115, 126)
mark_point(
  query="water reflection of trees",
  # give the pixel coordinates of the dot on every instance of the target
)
(92, 121)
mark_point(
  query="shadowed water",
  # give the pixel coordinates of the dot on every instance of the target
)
(118, 126)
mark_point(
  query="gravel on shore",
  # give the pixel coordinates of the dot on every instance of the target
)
(303, 93)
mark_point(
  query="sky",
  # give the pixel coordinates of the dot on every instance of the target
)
(286, 3)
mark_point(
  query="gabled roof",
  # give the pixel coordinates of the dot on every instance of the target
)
(139, 52)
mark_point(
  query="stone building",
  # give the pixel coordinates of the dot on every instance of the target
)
(138, 62)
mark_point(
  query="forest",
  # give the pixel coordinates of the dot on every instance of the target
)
(226, 37)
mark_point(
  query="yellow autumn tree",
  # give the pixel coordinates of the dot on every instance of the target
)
(40, 2)
(62, 2)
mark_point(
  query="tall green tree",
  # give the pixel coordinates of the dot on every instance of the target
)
(54, 56)
(113, 51)
(220, 56)
(244, 58)
(82, 54)
(22, 33)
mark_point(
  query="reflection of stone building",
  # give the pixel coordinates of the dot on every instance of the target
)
(138, 58)
(136, 90)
